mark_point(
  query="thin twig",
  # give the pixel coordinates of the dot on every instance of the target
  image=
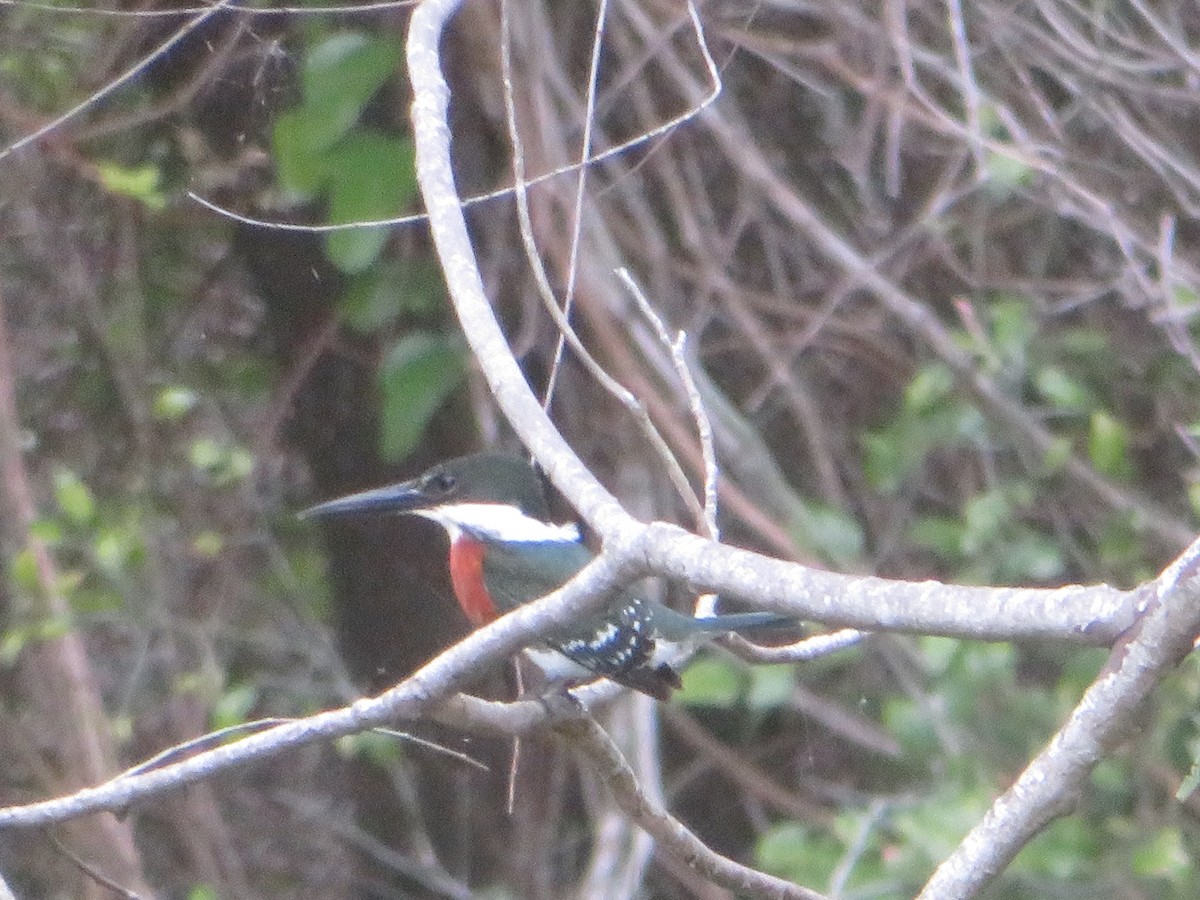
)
(583, 734)
(114, 83)
(706, 604)
(88, 869)
(585, 151)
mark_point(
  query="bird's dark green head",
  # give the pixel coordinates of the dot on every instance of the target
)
(489, 478)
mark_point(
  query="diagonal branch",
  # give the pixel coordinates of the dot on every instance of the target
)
(1170, 617)
(416, 696)
(672, 836)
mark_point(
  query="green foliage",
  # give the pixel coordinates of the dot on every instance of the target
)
(370, 178)
(965, 732)
(832, 533)
(233, 705)
(714, 682)
(16, 638)
(99, 552)
(219, 463)
(997, 534)
(173, 403)
(932, 417)
(378, 747)
(798, 852)
(320, 149)
(388, 289)
(771, 687)
(365, 175)
(1005, 173)
(420, 371)
(341, 73)
(73, 497)
(1108, 446)
(142, 183)
(717, 682)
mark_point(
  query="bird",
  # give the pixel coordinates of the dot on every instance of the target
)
(505, 551)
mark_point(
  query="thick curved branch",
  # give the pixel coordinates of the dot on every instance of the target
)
(1090, 615)
(431, 136)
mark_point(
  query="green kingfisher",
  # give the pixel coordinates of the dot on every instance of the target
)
(504, 551)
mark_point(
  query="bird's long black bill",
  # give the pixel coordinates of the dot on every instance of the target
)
(397, 498)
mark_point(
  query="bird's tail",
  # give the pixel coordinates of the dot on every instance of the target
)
(743, 623)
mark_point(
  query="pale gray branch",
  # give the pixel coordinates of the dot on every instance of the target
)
(434, 682)
(1169, 619)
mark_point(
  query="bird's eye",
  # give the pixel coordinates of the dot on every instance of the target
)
(442, 483)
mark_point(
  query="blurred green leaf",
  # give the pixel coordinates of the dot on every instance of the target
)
(798, 852)
(116, 549)
(300, 163)
(1023, 557)
(941, 534)
(23, 570)
(1011, 329)
(341, 74)
(208, 544)
(909, 724)
(1057, 455)
(382, 749)
(381, 293)
(19, 637)
(709, 681)
(834, 534)
(233, 705)
(771, 686)
(73, 497)
(220, 463)
(929, 388)
(140, 183)
(48, 531)
(205, 454)
(1162, 854)
(1004, 173)
(1067, 849)
(420, 371)
(372, 177)
(1108, 445)
(1186, 295)
(984, 516)
(173, 403)
(893, 453)
(1060, 390)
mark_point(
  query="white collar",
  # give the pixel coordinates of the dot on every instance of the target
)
(498, 521)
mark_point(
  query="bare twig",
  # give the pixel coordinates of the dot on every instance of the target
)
(673, 837)
(1148, 517)
(804, 650)
(89, 871)
(585, 151)
(114, 83)
(756, 782)
(699, 413)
